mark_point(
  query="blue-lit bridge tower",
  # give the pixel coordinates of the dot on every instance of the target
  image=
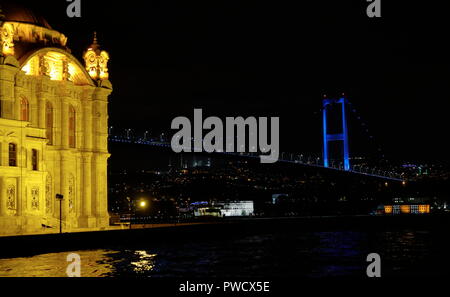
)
(327, 104)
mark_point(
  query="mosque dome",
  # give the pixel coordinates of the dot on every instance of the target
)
(24, 31)
(28, 42)
(14, 12)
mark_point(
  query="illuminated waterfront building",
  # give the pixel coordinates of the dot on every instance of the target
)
(407, 209)
(53, 128)
(224, 209)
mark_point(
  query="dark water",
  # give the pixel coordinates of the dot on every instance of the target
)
(283, 254)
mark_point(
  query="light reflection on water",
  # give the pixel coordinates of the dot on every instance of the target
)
(144, 263)
(285, 254)
(95, 263)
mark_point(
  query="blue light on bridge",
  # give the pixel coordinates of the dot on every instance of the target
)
(335, 137)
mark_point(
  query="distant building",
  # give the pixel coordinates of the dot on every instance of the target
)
(397, 209)
(410, 205)
(207, 211)
(236, 208)
(225, 209)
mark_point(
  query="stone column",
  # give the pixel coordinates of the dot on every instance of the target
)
(63, 190)
(42, 103)
(79, 186)
(34, 116)
(23, 157)
(87, 118)
(65, 124)
(100, 111)
(57, 187)
(21, 197)
(16, 109)
(3, 186)
(7, 96)
(101, 189)
(88, 220)
(5, 154)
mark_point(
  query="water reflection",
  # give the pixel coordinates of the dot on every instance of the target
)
(283, 254)
(144, 263)
(97, 263)
(339, 253)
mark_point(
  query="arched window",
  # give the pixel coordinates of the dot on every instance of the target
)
(34, 160)
(49, 122)
(72, 127)
(24, 110)
(12, 154)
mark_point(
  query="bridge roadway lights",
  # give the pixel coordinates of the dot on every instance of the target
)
(361, 170)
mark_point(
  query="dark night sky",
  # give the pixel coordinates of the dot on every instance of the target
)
(250, 58)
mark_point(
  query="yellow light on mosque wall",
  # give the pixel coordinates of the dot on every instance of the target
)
(72, 71)
(27, 68)
(31, 68)
(54, 64)
(58, 67)
(7, 39)
(11, 31)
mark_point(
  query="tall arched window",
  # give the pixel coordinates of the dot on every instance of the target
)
(49, 122)
(12, 154)
(72, 127)
(24, 110)
(34, 160)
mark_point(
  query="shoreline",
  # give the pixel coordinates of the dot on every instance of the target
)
(232, 220)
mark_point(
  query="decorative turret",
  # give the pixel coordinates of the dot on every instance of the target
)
(96, 61)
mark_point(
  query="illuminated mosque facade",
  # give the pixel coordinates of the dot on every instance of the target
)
(53, 128)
